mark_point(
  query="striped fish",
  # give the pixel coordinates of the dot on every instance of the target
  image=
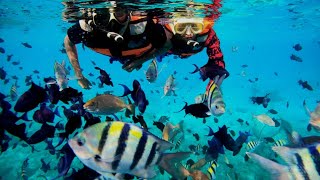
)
(303, 163)
(214, 98)
(280, 142)
(178, 143)
(118, 147)
(13, 92)
(251, 145)
(211, 172)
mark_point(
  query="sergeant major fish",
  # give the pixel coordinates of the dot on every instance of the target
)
(214, 98)
(303, 163)
(119, 147)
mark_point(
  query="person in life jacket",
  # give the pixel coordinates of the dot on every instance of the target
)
(119, 34)
(191, 35)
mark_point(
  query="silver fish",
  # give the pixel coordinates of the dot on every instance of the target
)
(61, 73)
(152, 71)
(169, 87)
(119, 147)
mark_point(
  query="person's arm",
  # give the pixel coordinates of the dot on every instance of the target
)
(72, 54)
(215, 65)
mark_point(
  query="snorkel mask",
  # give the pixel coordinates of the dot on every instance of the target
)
(181, 25)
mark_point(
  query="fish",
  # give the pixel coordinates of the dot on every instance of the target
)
(104, 77)
(31, 98)
(314, 116)
(305, 85)
(178, 143)
(25, 44)
(46, 131)
(9, 57)
(3, 74)
(272, 111)
(197, 110)
(169, 87)
(61, 74)
(297, 47)
(119, 147)
(280, 142)
(45, 114)
(159, 125)
(70, 94)
(265, 119)
(170, 131)
(302, 163)
(137, 95)
(214, 98)
(211, 172)
(196, 135)
(44, 166)
(241, 139)
(107, 104)
(224, 138)
(140, 119)
(252, 145)
(24, 173)
(152, 71)
(295, 58)
(264, 100)
(13, 92)
(2, 50)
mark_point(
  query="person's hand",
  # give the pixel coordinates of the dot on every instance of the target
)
(212, 71)
(84, 83)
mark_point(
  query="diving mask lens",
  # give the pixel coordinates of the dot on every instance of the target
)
(181, 28)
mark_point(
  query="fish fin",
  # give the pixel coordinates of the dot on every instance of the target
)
(184, 107)
(278, 171)
(209, 113)
(116, 117)
(106, 176)
(220, 80)
(164, 145)
(211, 133)
(197, 69)
(56, 111)
(145, 173)
(24, 117)
(127, 91)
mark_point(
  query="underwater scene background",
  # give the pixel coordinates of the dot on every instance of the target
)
(258, 38)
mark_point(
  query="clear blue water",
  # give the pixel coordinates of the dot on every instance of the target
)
(263, 30)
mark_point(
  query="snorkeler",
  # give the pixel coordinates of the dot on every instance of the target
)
(119, 34)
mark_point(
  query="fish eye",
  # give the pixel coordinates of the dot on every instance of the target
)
(97, 158)
(217, 107)
(81, 141)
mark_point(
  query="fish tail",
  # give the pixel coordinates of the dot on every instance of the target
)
(184, 107)
(278, 171)
(197, 69)
(127, 91)
(24, 117)
(56, 111)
